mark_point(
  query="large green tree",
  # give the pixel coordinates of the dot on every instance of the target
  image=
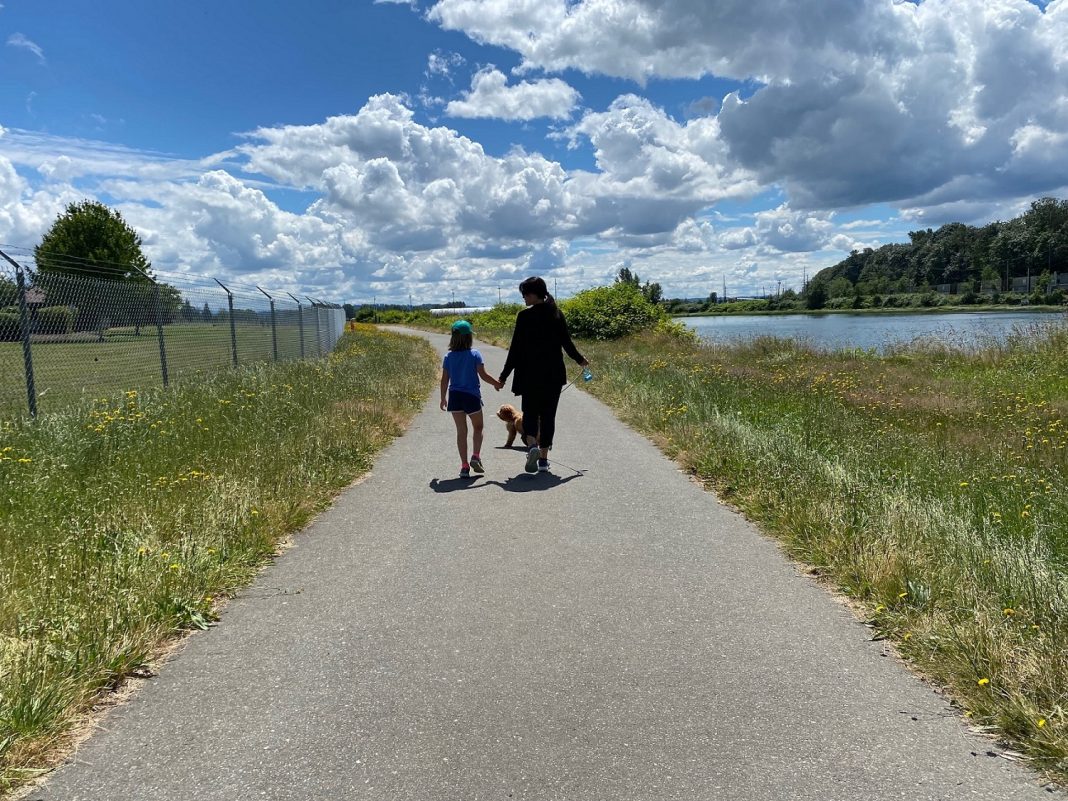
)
(90, 239)
(91, 259)
(653, 292)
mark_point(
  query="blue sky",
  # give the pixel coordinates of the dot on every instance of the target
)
(358, 149)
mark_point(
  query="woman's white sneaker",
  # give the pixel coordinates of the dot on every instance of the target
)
(532, 459)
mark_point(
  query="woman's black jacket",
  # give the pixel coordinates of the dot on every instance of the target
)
(540, 333)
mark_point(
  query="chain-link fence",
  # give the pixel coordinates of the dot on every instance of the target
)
(70, 329)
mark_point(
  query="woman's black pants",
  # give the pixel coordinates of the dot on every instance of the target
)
(539, 413)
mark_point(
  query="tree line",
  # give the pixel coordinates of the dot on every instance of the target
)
(955, 264)
(958, 258)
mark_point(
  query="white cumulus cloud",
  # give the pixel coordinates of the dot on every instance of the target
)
(491, 96)
(848, 102)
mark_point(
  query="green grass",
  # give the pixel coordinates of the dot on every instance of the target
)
(126, 519)
(68, 372)
(929, 485)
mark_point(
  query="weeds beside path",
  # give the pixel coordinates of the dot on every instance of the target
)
(125, 521)
(928, 485)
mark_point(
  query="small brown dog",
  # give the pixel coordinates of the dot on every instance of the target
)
(513, 420)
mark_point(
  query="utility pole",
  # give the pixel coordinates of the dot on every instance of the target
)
(499, 301)
(409, 301)
(724, 289)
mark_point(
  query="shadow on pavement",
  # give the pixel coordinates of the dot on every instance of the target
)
(536, 482)
(454, 484)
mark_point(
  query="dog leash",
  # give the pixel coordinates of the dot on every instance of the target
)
(587, 376)
(574, 470)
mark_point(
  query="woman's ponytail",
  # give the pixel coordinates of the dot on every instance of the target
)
(536, 286)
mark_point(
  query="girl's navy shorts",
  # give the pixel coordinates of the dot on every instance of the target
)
(463, 402)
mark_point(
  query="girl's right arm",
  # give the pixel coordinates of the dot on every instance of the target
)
(444, 386)
(493, 382)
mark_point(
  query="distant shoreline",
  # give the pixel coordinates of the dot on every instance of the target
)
(909, 310)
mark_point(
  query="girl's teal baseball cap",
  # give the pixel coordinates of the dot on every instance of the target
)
(462, 325)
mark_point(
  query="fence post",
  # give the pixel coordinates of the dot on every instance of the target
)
(159, 333)
(233, 325)
(300, 323)
(318, 336)
(274, 328)
(24, 325)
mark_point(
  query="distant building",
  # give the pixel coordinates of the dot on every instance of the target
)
(459, 312)
(1025, 285)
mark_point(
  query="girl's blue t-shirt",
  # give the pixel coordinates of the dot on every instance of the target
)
(462, 366)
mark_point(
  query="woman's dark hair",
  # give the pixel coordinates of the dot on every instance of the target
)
(536, 286)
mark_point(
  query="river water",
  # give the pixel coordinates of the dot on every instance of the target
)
(867, 331)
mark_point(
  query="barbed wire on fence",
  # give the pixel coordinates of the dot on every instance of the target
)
(72, 328)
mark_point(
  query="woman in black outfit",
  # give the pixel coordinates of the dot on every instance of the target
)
(540, 332)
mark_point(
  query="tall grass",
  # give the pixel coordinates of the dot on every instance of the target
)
(931, 485)
(124, 520)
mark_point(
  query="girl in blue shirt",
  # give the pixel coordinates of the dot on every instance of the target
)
(460, 371)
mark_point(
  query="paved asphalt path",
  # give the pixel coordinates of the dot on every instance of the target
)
(609, 635)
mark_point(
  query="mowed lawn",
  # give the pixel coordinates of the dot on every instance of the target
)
(65, 372)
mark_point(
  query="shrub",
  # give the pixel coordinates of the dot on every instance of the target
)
(9, 327)
(743, 306)
(1054, 298)
(501, 317)
(55, 320)
(929, 299)
(843, 302)
(610, 312)
(676, 330)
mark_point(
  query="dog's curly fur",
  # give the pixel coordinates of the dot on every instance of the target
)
(513, 420)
